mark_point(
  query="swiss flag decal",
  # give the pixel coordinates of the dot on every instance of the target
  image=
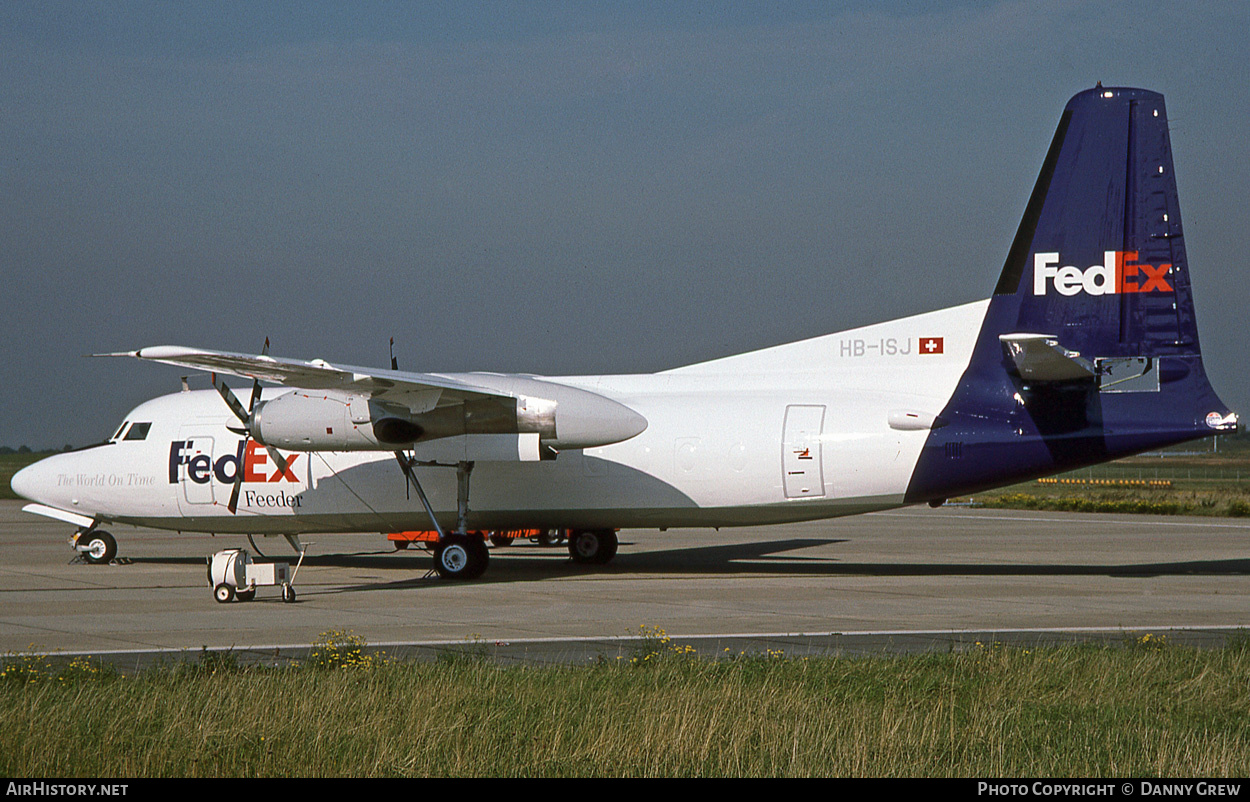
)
(930, 345)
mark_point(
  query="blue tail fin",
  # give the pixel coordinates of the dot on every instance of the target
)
(1089, 348)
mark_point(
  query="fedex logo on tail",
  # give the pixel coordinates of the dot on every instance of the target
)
(1119, 272)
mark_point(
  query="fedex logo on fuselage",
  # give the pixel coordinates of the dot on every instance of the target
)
(1119, 272)
(251, 458)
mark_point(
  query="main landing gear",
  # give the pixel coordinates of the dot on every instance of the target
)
(463, 555)
(593, 546)
(458, 554)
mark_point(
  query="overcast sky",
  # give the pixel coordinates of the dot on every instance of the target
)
(553, 188)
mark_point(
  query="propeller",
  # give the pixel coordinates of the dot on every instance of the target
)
(399, 455)
(245, 415)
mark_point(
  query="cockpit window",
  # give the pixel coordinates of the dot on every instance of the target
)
(117, 434)
(138, 431)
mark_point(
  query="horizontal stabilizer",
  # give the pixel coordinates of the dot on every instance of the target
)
(1040, 358)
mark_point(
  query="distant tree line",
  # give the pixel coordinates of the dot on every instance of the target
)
(27, 450)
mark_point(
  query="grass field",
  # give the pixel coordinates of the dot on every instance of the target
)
(1146, 710)
(1196, 480)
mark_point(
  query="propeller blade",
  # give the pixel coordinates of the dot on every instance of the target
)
(277, 458)
(228, 395)
(238, 485)
(251, 402)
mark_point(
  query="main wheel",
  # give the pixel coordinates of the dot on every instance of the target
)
(100, 547)
(500, 539)
(548, 537)
(224, 593)
(461, 557)
(593, 546)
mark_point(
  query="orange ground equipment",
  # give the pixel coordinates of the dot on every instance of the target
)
(497, 537)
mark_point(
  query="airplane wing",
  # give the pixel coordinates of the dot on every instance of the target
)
(419, 392)
(440, 404)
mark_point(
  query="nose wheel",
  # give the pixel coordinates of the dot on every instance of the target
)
(96, 547)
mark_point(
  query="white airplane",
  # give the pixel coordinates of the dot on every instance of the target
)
(1086, 352)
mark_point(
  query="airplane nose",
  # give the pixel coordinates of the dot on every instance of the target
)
(25, 482)
(37, 481)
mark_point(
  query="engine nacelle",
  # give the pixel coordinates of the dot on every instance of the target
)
(335, 420)
(309, 420)
(312, 420)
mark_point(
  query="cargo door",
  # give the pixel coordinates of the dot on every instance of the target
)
(195, 473)
(801, 457)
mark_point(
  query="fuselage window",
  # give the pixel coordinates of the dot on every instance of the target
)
(138, 431)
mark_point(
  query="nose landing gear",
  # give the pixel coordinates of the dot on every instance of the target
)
(96, 546)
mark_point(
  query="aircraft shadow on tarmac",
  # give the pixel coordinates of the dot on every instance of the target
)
(529, 564)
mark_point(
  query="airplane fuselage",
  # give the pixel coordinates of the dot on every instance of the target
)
(803, 431)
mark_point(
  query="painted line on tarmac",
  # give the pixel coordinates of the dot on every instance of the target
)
(865, 633)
